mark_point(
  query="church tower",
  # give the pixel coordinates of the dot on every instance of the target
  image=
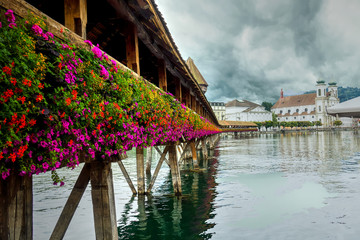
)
(333, 91)
(320, 102)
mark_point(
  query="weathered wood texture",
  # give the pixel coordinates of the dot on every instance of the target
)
(194, 155)
(157, 169)
(132, 48)
(178, 90)
(72, 203)
(127, 177)
(16, 208)
(76, 16)
(102, 192)
(175, 170)
(140, 170)
(204, 148)
(148, 160)
(162, 75)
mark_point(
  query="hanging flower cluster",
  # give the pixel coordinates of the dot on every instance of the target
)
(59, 103)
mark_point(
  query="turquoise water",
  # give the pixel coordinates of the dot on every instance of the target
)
(292, 186)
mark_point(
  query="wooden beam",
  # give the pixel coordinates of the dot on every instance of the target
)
(140, 170)
(76, 16)
(132, 48)
(175, 171)
(148, 160)
(157, 169)
(162, 75)
(194, 155)
(178, 90)
(71, 204)
(102, 193)
(16, 208)
(158, 150)
(127, 177)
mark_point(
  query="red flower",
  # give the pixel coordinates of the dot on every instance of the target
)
(68, 101)
(41, 86)
(27, 82)
(22, 99)
(12, 157)
(74, 93)
(39, 98)
(13, 81)
(6, 70)
(32, 122)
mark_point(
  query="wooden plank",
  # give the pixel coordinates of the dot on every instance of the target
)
(148, 160)
(127, 177)
(157, 169)
(16, 208)
(140, 170)
(102, 194)
(76, 16)
(194, 155)
(158, 150)
(178, 90)
(162, 75)
(72, 203)
(132, 48)
(175, 171)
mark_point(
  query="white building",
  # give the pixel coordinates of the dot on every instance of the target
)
(308, 107)
(219, 109)
(246, 111)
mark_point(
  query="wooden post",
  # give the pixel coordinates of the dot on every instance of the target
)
(148, 160)
(16, 216)
(162, 75)
(102, 192)
(132, 48)
(158, 150)
(178, 90)
(76, 16)
(127, 177)
(175, 171)
(204, 148)
(71, 204)
(140, 170)
(157, 169)
(194, 156)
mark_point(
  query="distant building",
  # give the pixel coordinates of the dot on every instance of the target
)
(219, 109)
(308, 107)
(197, 75)
(246, 111)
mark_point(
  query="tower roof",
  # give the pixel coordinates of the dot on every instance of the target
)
(195, 72)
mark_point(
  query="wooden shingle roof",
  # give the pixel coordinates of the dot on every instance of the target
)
(195, 72)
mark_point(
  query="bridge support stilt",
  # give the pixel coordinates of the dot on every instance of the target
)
(16, 214)
(148, 160)
(194, 155)
(140, 170)
(102, 193)
(175, 170)
(157, 169)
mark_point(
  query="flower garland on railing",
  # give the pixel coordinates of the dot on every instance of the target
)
(58, 101)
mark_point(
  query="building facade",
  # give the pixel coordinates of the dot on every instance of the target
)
(308, 107)
(246, 111)
(219, 109)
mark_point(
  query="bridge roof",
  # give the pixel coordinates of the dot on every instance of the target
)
(237, 123)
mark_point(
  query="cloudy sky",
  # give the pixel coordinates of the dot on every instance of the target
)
(250, 49)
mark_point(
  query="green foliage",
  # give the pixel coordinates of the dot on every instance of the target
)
(267, 105)
(337, 123)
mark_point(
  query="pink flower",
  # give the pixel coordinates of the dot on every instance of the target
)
(50, 35)
(103, 72)
(12, 25)
(88, 42)
(97, 52)
(37, 30)
(10, 16)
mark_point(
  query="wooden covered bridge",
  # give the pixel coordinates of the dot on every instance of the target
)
(134, 35)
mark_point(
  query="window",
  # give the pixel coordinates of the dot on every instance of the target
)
(319, 92)
(303, 117)
(294, 117)
(280, 111)
(306, 109)
(319, 108)
(289, 111)
(297, 110)
(278, 118)
(312, 116)
(286, 118)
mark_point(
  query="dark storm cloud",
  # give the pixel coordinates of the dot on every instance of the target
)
(251, 49)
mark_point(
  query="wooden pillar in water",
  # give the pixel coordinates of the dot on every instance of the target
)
(162, 75)
(102, 193)
(204, 148)
(16, 215)
(148, 160)
(132, 48)
(76, 16)
(194, 155)
(175, 170)
(140, 170)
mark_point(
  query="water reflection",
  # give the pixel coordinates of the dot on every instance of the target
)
(167, 217)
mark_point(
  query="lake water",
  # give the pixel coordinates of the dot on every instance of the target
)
(276, 186)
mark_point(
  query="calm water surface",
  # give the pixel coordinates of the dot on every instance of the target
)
(292, 186)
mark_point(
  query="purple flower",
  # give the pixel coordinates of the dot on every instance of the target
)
(57, 164)
(45, 166)
(97, 52)
(50, 35)
(37, 30)
(12, 25)
(30, 154)
(22, 173)
(40, 158)
(10, 16)
(62, 183)
(43, 144)
(0, 25)
(88, 42)
(54, 143)
(113, 62)
(103, 72)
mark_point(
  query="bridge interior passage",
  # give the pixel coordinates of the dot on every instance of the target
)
(134, 33)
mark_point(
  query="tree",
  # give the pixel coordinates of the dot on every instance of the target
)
(267, 105)
(259, 124)
(268, 124)
(337, 123)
